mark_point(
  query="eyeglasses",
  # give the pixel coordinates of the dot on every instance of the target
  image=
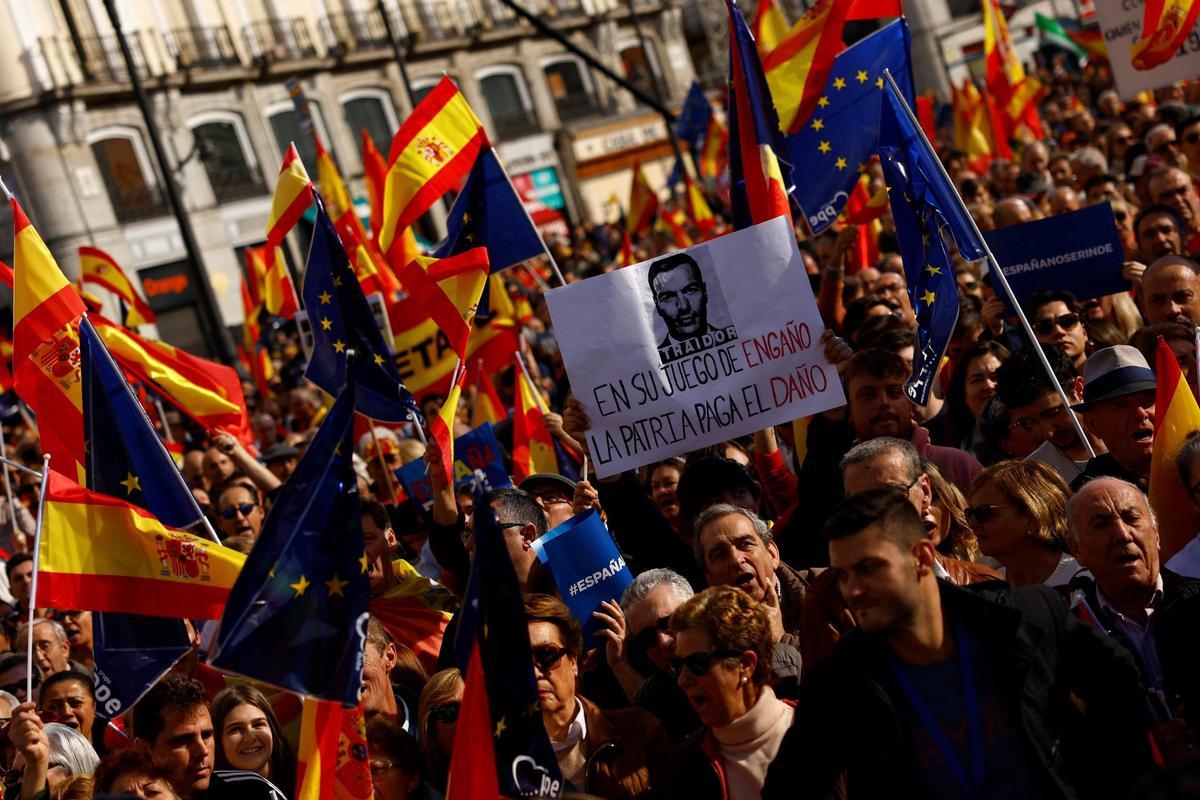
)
(380, 767)
(546, 658)
(447, 713)
(550, 499)
(970, 286)
(244, 509)
(982, 515)
(649, 637)
(700, 663)
(1045, 327)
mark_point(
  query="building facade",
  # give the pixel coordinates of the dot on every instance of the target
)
(74, 147)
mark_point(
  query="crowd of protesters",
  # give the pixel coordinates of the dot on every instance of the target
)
(963, 599)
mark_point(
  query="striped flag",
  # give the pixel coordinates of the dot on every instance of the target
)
(769, 26)
(450, 289)
(1053, 33)
(331, 763)
(441, 428)
(432, 152)
(1165, 26)
(533, 446)
(643, 202)
(698, 211)
(293, 194)
(488, 406)
(1176, 415)
(99, 268)
(798, 68)
(46, 312)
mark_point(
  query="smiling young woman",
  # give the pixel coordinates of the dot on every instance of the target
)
(249, 736)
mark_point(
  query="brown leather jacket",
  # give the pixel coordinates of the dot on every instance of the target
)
(624, 749)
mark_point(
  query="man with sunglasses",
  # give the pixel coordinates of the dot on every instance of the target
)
(239, 511)
(1056, 319)
(1024, 684)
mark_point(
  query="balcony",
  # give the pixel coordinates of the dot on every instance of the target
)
(103, 61)
(435, 22)
(564, 9)
(234, 184)
(137, 202)
(202, 48)
(280, 40)
(576, 106)
(356, 31)
(514, 126)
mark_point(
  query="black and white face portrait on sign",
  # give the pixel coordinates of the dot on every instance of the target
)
(691, 315)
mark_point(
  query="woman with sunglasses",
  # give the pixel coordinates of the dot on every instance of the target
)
(723, 647)
(437, 715)
(612, 754)
(1018, 512)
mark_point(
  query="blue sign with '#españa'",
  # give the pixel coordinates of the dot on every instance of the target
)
(1079, 251)
(476, 455)
(586, 565)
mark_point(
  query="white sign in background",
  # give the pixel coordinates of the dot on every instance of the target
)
(746, 353)
(1121, 24)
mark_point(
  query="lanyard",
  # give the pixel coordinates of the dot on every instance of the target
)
(971, 784)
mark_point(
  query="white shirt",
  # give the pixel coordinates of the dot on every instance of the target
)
(1187, 561)
(576, 731)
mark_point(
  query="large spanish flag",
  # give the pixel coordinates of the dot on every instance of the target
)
(1003, 67)
(533, 446)
(798, 68)
(98, 267)
(432, 152)
(450, 289)
(99, 553)
(46, 311)
(1175, 416)
(1165, 26)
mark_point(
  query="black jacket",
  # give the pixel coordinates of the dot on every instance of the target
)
(1105, 466)
(846, 722)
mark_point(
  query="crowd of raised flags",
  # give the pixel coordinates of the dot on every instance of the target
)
(829, 136)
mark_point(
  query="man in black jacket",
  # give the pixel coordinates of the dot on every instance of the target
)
(945, 693)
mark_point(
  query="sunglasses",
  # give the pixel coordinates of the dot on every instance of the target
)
(700, 663)
(232, 511)
(1045, 327)
(447, 713)
(649, 637)
(982, 515)
(546, 658)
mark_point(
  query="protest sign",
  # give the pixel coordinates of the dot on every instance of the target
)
(1121, 25)
(476, 454)
(694, 347)
(1079, 251)
(586, 565)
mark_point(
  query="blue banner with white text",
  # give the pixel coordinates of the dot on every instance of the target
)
(477, 456)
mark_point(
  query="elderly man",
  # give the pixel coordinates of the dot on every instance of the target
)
(1173, 187)
(1153, 612)
(1118, 409)
(1161, 141)
(51, 648)
(1171, 291)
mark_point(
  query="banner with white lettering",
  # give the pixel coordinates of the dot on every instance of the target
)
(1121, 24)
(1079, 251)
(586, 565)
(694, 347)
(476, 455)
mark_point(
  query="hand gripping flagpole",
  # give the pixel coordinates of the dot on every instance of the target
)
(37, 554)
(995, 267)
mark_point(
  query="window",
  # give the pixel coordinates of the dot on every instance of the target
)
(421, 89)
(507, 102)
(127, 175)
(225, 152)
(639, 67)
(285, 124)
(371, 110)
(571, 88)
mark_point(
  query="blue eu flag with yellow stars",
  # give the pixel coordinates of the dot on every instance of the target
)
(343, 326)
(692, 123)
(843, 134)
(296, 617)
(921, 226)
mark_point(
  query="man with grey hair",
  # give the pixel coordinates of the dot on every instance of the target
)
(51, 649)
(1153, 612)
(1086, 163)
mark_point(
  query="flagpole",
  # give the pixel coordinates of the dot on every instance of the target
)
(545, 248)
(995, 265)
(533, 386)
(162, 417)
(33, 579)
(538, 279)
(12, 508)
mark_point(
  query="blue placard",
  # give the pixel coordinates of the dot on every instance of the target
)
(586, 565)
(1079, 251)
(476, 454)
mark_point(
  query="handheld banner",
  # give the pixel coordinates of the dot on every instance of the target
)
(716, 341)
(586, 565)
(1121, 26)
(1079, 251)
(476, 453)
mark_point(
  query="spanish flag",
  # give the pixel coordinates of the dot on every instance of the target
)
(1003, 67)
(714, 151)
(798, 68)
(769, 26)
(1175, 416)
(673, 220)
(441, 427)
(46, 312)
(331, 763)
(432, 152)
(863, 205)
(374, 177)
(1165, 26)
(488, 406)
(293, 194)
(533, 447)
(103, 554)
(415, 612)
(698, 211)
(98, 267)
(270, 283)
(450, 289)
(643, 202)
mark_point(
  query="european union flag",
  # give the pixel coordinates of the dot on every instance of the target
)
(488, 212)
(692, 123)
(921, 225)
(296, 617)
(843, 133)
(342, 324)
(492, 628)
(126, 459)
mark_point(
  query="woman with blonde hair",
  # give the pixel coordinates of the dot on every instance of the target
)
(437, 716)
(1019, 515)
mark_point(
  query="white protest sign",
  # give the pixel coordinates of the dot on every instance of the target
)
(694, 347)
(1121, 24)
